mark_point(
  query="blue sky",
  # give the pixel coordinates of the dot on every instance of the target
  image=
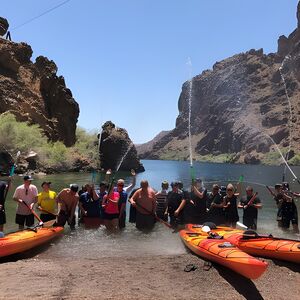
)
(126, 60)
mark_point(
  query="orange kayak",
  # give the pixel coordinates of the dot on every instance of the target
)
(21, 241)
(223, 253)
(264, 246)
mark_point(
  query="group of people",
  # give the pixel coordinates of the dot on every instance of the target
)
(176, 206)
(198, 206)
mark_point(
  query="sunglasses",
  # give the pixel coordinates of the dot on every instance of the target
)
(26, 192)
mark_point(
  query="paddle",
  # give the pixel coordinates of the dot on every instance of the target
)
(34, 213)
(154, 215)
(263, 236)
(46, 211)
(250, 202)
(271, 192)
(11, 174)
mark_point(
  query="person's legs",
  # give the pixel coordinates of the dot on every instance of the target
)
(20, 220)
(29, 220)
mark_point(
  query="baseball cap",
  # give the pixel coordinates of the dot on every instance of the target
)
(27, 177)
(46, 182)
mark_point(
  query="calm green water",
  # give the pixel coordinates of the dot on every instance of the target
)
(161, 240)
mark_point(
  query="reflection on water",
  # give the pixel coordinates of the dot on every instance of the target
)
(98, 243)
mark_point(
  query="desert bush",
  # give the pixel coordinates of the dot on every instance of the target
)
(20, 136)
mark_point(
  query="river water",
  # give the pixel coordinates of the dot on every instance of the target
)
(100, 243)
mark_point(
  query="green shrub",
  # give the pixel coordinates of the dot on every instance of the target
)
(20, 136)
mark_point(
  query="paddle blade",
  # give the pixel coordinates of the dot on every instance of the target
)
(48, 224)
(241, 225)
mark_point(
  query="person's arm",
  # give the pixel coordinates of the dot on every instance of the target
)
(197, 192)
(83, 211)
(130, 187)
(181, 206)
(72, 213)
(287, 198)
(240, 205)
(133, 199)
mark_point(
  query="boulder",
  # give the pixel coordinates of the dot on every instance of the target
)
(117, 151)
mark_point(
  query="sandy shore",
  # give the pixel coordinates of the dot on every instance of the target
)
(149, 277)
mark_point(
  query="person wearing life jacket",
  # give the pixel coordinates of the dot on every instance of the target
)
(47, 203)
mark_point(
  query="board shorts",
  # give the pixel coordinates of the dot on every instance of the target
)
(47, 217)
(107, 216)
(28, 220)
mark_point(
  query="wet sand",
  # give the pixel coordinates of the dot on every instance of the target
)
(145, 277)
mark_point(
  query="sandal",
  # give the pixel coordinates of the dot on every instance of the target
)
(190, 267)
(207, 266)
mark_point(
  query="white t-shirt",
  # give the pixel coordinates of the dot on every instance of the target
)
(29, 197)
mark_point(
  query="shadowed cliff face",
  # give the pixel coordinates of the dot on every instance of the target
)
(33, 92)
(114, 145)
(237, 104)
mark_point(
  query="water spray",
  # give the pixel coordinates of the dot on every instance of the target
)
(190, 90)
(287, 57)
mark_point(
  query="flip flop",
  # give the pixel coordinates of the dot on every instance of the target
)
(190, 267)
(207, 266)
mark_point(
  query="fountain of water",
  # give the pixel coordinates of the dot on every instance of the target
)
(288, 57)
(284, 160)
(190, 95)
(123, 157)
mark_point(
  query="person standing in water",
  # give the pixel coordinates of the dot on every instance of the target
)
(161, 204)
(215, 212)
(230, 207)
(144, 200)
(3, 191)
(195, 209)
(26, 196)
(67, 201)
(176, 204)
(47, 203)
(250, 210)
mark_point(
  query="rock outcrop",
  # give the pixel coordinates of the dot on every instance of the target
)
(33, 92)
(116, 150)
(240, 107)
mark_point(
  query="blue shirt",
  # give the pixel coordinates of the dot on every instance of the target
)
(92, 207)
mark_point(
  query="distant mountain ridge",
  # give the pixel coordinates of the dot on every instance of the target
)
(238, 107)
